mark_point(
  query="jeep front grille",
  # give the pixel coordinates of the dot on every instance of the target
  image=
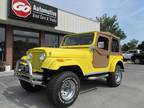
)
(36, 64)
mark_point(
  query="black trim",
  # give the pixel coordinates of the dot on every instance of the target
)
(97, 74)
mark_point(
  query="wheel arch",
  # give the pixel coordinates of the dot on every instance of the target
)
(120, 64)
(115, 63)
(74, 68)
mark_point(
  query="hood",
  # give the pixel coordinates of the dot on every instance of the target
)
(64, 52)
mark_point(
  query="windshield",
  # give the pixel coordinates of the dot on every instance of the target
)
(78, 39)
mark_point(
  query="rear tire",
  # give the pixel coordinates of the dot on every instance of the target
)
(137, 61)
(114, 79)
(63, 89)
(28, 87)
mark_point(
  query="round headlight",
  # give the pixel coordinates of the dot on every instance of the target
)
(29, 55)
(42, 56)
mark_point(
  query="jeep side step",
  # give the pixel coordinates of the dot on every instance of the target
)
(97, 76)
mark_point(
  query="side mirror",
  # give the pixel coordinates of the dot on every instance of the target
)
(92, 48)
(101, 45)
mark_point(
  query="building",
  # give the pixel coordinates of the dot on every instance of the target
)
(26, 24)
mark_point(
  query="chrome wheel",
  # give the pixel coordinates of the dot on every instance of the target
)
(63, 89)
(68, 90)
(118, 75)
(114, 79)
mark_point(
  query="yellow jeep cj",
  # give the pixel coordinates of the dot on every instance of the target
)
(84, 55)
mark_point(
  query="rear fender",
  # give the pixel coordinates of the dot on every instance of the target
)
(115, 63)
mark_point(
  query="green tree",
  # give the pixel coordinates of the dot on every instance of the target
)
(111, 24)
(125, 48)
(132, 44)
(141, 46)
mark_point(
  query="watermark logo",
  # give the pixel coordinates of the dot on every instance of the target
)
(21, 8)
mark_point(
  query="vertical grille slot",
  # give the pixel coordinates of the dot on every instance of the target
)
(35, 60)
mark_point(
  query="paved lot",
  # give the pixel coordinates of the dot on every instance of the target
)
(94, 94)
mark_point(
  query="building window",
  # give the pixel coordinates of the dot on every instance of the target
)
(115, 45)
(2, 44)
(60, 39)
(24, 40)
(51, 40)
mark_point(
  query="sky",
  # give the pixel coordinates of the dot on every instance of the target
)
(130, 13)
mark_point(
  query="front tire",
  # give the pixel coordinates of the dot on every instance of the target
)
(63, 89)
(114, 79)
(28, 87)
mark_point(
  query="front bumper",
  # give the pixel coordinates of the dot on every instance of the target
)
(27, 74)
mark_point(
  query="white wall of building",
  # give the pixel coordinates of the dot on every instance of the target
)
(75, 23)
(3, 9)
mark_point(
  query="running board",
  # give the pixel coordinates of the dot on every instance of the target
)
(97, 76)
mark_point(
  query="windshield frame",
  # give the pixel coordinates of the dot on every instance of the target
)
(86, 45)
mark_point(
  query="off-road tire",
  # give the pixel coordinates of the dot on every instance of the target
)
(54, 89)
(28, 87)
(112, 81)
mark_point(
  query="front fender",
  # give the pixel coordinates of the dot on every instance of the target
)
(56, 63)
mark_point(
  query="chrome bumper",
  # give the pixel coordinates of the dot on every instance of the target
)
(28, 76)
